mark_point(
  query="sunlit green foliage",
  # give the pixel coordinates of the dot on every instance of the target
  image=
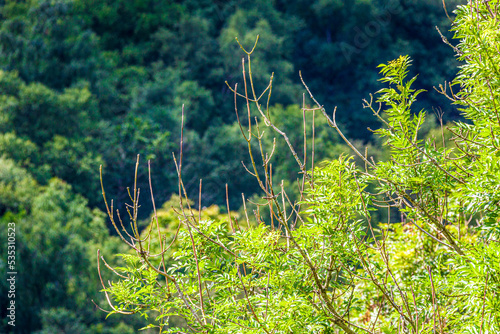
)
(325, 264)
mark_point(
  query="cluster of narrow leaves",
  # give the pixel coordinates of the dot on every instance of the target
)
(327, 263)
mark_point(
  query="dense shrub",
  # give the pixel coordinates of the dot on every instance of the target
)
(326, 263)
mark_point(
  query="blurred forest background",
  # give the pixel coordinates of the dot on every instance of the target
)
(85, 83)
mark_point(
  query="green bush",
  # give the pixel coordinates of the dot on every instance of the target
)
(325, 263)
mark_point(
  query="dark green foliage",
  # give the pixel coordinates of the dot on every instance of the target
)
(45, 42)
(56, 242)
(343, 40)
(140, 61)
(49, 132)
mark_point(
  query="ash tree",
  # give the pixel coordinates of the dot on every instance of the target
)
(324, 261)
